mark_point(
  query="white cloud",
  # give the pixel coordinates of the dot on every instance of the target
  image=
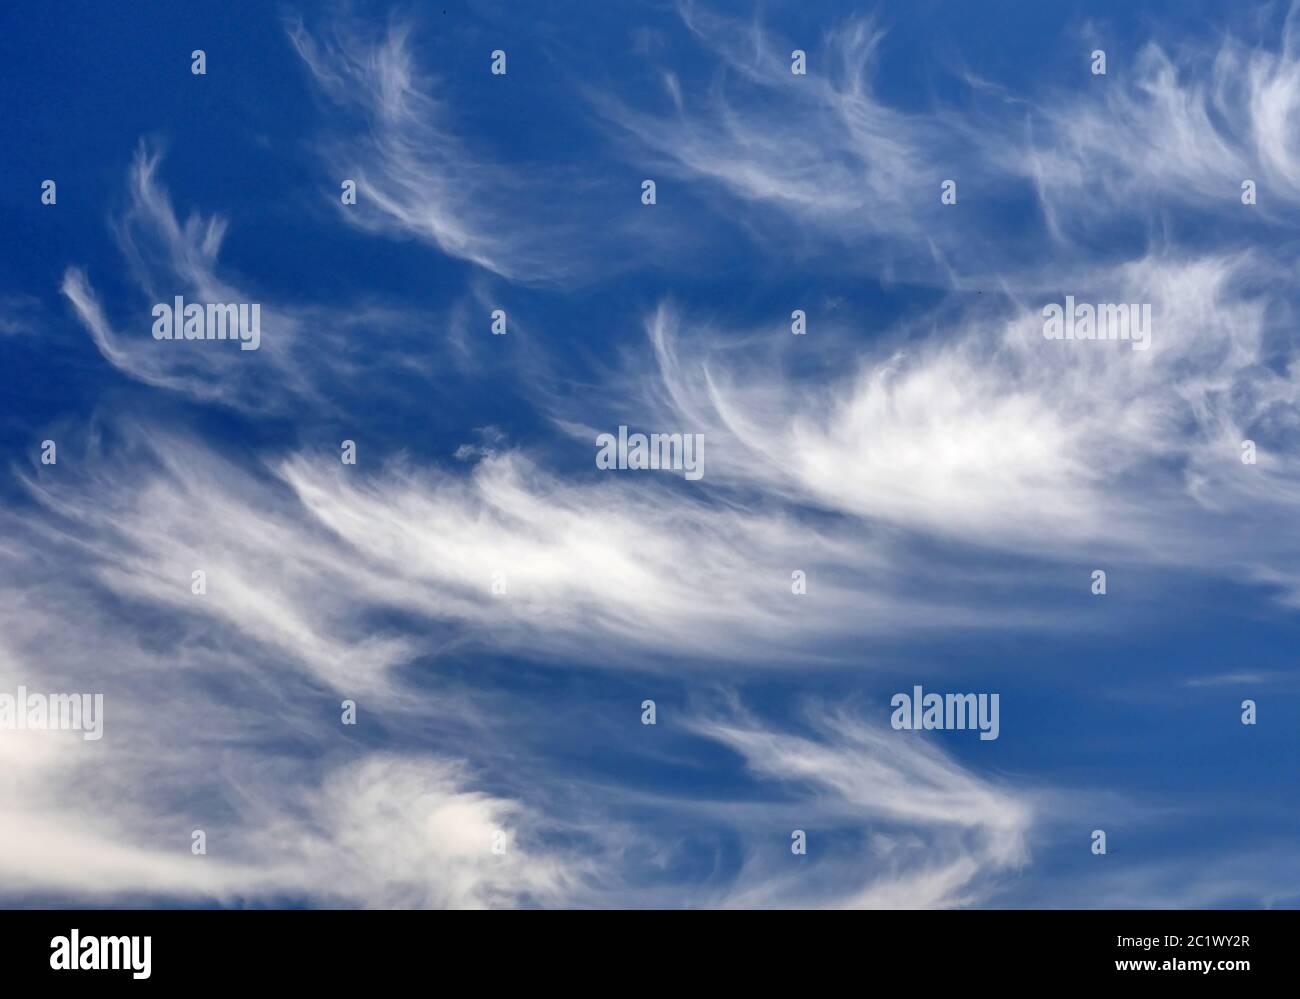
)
(305, 355)
(211, 733)
(416, 177)
(1185, 125)
(821, 147)
(969, 425)
(935, 835)
(309, 558)
(169, 259)
(215, 718)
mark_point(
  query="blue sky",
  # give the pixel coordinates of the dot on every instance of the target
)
(947, 477)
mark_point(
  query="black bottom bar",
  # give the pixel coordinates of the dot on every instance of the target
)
(1220, 949)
